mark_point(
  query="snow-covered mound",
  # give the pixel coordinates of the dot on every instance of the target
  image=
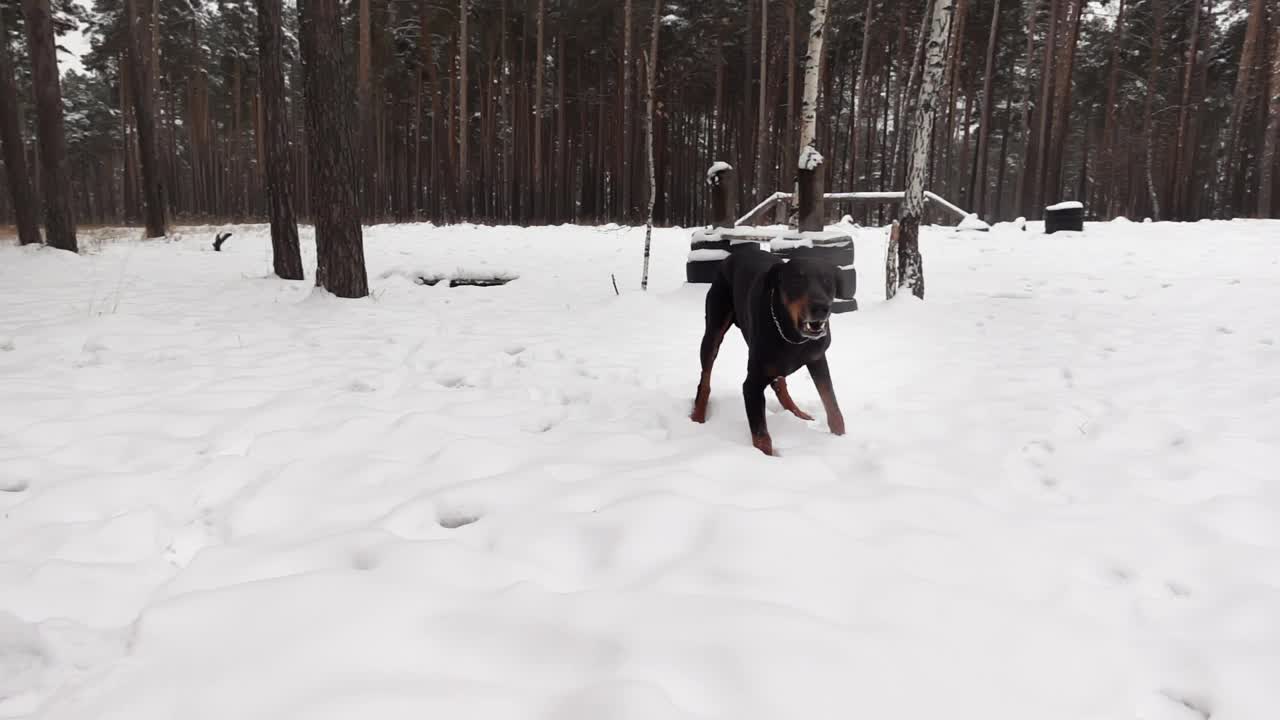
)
(226, 496)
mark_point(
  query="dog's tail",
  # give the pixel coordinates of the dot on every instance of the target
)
(217, 241)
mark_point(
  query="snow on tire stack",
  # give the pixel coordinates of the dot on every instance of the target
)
(711, 245)
(833, 247)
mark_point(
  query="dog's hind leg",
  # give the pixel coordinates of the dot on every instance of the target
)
(821, 375)
(719, 318)
(784, 397)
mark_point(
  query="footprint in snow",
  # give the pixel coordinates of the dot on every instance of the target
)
(1193, 707)
(454, 519)
(360, 386)
(13, 485)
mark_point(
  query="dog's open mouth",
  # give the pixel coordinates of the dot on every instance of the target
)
(813, 329)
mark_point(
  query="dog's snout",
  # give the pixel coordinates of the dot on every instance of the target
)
(819, 310)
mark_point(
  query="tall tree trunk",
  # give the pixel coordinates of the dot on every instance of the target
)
(1044, 110)
(365, 161)
(979, 184)
(540, 61)
(860, 98)
(286, 255)
(746, 151)
(59, 222)
(810, 167)
(1107, 156)
(464, 111)
(1184, 113)
(1064, 64)
(650, 85)
(1004, 154)
(144, 112)
(561, 192)
(762, 127)
(21, 193)
(904, 266)
(1267, 202)
(1153, 69)
(1240, 103)
(789, 134)
(960, 17)
(624, 149)
(329, 103)
(1022, 180)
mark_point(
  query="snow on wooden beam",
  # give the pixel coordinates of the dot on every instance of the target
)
(893, 196)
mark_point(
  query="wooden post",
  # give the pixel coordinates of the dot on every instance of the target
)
(812, 205)
(723, 180)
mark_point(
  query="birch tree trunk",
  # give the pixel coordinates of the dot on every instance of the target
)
(905, 268)
(650, 85)
(810, 171)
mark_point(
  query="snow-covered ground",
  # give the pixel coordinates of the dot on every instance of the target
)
(228, 497)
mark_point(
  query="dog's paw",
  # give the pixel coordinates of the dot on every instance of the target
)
(836, 424)
(699, 413)
(764, 444)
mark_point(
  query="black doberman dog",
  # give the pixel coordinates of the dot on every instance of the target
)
(783, 309)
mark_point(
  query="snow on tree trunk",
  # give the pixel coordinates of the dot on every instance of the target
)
(330, 104)
(809, 176)
(906, 270)
(650, 84)
(286, 256)
(59, 222)
(21, 193)
(812, 67)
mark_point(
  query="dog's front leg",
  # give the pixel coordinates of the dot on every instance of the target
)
(753, 396)
(821, 375)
